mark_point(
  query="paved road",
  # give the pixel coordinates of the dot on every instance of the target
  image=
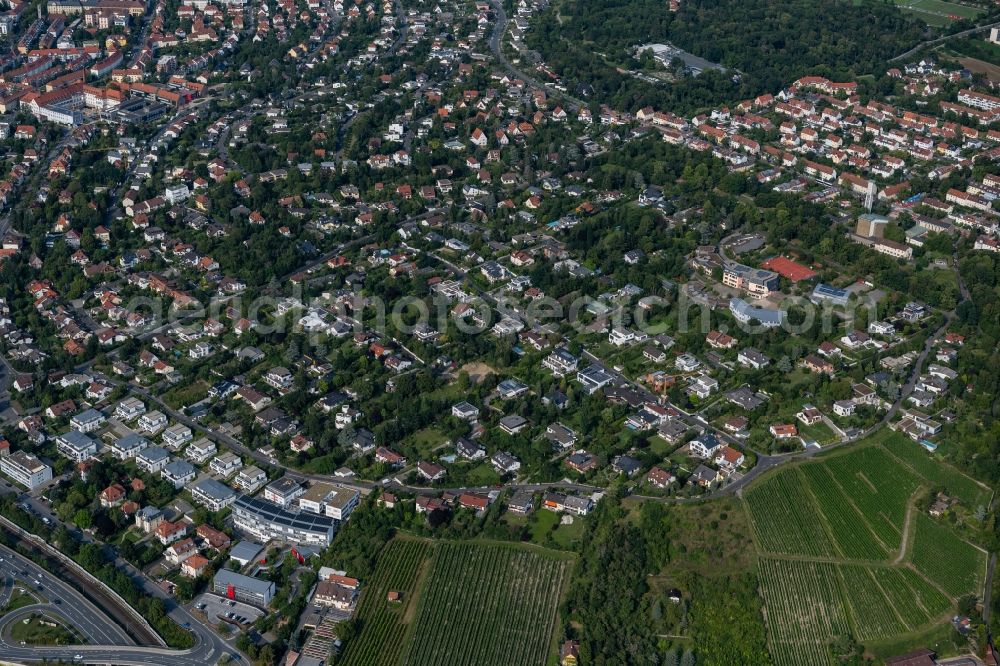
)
(941, 40)
(496, 46)
(402, 25)
(73, 606)
(988, 588)
(111, 644)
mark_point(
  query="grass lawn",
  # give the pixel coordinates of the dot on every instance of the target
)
(567, 536)
(941, 7)
(185, 394)
(819, 432)
(320, 464)
(682, 458)
(800, 377)
(660, 446)
(546, 529)
(131, 535)
(451, 391)
(42, 630)
(482, 475)
(19, 599)
(541, 523)
(514, 519)
(426, 440)
(937, 12)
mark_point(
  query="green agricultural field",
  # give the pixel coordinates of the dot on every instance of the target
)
(854, 539)
(956, 484)
(873, 617)
(804, 609)
(784, 517)
(956, 566)
(843, 550)
(383, 624)
(462, 602)
(487, 604)
(879, 486)
(913, 596)
(819, 432)
(940, 7)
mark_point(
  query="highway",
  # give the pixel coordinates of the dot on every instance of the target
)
(942, 40)
(108, 642)
(111, 642)
(17, 571)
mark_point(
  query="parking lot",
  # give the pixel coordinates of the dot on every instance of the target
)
(217, 608)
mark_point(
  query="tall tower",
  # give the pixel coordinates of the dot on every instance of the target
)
(870, 196)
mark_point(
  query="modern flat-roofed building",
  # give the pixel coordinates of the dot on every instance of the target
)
(266, 520)
(341, 503)
(246, 552)
(176, 436)
(129, 408)
(129, 446)
(201, 450)
(238, 587)
(87, 421)
(561, 362)
(76, 446)
(594, 378)
(225, 464)
(757, 282)
(213, 495)
(26, 469)
(744, 313)
(326, 499)
(283, 491)
(871, 225)
(250, 478)
(825, 292)
(178, 473)
(152, 459)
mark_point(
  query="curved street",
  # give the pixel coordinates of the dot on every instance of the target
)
(496, 46)
(109, 643)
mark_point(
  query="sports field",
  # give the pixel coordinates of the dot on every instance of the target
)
(938, 12)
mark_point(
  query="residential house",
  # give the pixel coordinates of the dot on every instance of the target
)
(505, 463)
(783, 430)
(581, 462)
(128, 446)
(226, 464)
(152, 459)
(178, 473)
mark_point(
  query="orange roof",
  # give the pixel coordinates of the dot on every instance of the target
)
(196, 562)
